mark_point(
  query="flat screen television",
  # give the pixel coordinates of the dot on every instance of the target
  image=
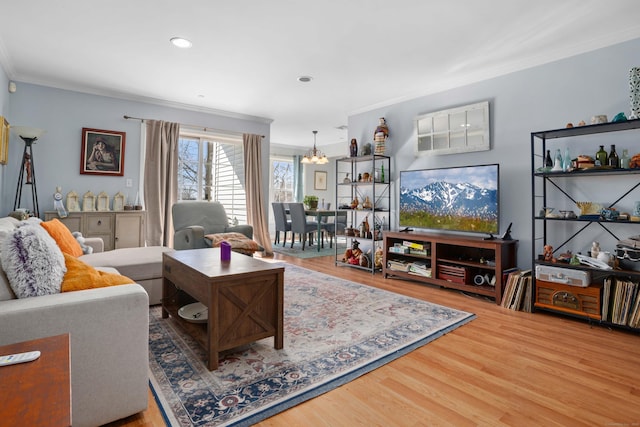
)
(463, 198)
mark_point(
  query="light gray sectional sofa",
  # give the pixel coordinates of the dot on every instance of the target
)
(108, 330)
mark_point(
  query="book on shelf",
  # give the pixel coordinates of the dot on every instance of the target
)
(420, 264)
(422, 252)
(398, 249)
(420, 271)
(398, 265)
(413, 245)
(420, 268)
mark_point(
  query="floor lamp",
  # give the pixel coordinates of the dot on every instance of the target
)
(27, 169)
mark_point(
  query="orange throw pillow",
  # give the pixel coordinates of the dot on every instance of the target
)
(80, 276)
(63, 237)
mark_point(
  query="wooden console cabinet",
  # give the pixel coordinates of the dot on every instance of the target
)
(469, 264)
(118, 229)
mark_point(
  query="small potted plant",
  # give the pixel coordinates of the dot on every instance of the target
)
(310, 202)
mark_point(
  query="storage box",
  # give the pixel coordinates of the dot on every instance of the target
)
(454, 274)
(396, 249)
(565, 276)
(628, 258)
(570, 299)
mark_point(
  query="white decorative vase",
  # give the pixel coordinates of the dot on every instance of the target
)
(634, 92)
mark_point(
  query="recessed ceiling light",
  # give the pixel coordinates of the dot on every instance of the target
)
(180, 42)
(305, 79)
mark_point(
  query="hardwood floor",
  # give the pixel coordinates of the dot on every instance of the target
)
(504, 368)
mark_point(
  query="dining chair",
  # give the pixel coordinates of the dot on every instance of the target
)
(300, 225)
(282, 223)
(336, 227)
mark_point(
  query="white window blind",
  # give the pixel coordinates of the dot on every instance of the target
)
(211, 167)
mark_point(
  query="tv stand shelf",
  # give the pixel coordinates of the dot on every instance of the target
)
(456, 262)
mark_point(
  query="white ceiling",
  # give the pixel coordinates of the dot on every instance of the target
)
(247, 54)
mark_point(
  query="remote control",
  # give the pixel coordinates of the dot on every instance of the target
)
(12, 359)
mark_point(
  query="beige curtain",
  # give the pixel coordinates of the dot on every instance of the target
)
(160, 180)
(256, 217)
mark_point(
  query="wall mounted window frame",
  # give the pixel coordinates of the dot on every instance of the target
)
(455, 130)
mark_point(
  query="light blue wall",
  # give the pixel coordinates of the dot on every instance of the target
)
(540, 98)
(64, 113)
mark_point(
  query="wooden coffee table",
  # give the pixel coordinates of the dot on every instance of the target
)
(244, 297)
(37, 393)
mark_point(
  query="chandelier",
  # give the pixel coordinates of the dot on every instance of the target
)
(315, 155)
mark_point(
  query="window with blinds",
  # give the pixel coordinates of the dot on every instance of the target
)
(211, 167)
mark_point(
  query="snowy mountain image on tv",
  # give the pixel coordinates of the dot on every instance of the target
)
(457, 199)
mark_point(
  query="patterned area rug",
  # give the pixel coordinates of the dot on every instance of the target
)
(335, 331)
(309, 252)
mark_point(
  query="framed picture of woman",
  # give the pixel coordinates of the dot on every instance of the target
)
(102, 152)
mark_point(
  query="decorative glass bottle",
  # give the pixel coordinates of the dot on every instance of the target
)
(614, 160)
(557, 164)
(634, 92)
(601, 157)
(566, 163)
(624, 160)
(548, 162)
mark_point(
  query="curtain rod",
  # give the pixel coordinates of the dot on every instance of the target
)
(191, 126)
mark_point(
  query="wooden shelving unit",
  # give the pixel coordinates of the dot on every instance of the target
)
(367, 177)
(599, 302)
(454, 261)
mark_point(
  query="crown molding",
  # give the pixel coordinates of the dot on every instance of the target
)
(147, 100)
(559, 54)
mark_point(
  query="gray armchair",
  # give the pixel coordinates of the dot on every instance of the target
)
(195, 219)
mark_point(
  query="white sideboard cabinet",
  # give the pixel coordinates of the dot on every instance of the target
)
(118, 229)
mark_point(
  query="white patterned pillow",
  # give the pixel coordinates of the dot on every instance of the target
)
(32, 261)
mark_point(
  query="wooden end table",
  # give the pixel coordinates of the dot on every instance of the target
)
(244, 297)
(37, 393)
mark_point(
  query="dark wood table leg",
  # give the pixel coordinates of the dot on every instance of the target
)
(213, 328)
(167, 286)
(278, 339)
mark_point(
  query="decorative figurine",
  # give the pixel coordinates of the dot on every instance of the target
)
(57, 203)
(355, 202)
(366, 204)
(595, 250)
(377, 258)
(548, 253)
(353, 148)
(366, 150)
(380, 136)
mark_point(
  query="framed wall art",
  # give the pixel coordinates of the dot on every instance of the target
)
(320, 180)
(4, 140)
(102, 152)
